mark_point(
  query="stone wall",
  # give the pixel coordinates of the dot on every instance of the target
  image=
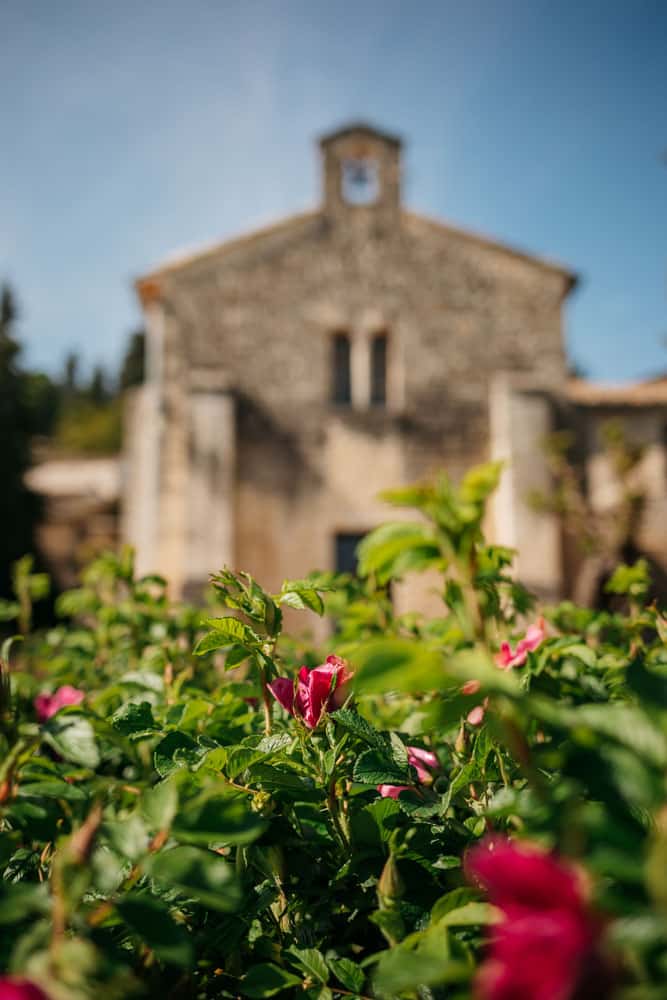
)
(261, 312)
(80, 512)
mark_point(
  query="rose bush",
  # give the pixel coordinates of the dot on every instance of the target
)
(199, 802)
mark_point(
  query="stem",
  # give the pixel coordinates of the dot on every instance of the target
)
(59, 908)
(265, 701)
(501, 768)
(332, 806)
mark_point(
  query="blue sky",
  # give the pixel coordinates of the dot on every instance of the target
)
(134, 130)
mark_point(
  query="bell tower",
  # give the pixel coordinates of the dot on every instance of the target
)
(361, 170)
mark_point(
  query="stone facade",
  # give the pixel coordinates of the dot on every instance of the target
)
(237, 451)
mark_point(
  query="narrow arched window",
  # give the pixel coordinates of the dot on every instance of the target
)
(379, 369)
(341, 382)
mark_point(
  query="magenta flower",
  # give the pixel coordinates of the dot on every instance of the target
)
(421, 760)
(507, 658)
(547, 944)
(20, 989)
(47, 705)
(318, 691)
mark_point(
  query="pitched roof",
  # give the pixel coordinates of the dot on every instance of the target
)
(362, 128)
(652, 392)
(147, 284)
(486, 242)
(181, 261)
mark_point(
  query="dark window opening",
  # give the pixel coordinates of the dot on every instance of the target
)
(341, 390)
(360, 181)
(379, 370)
(346, 551)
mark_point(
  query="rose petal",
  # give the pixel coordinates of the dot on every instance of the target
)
(282, 690)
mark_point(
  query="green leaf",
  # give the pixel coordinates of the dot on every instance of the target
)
(281, 779)
(373, 767)
(20, 901)
(347, 973)
(471, 914)
(480, 482)
(128, 836)
(265, 980)
(235, 655)
(159, 805)
(633, 580)
(176, 750)
(73, 738)
(151, 920)
(312, 962)
(618, 722)
(359, 727)
(301, 596)
(197, 873)
(421, 960)
(135, 720)
(648, 683)
(395, 548)
(227, 631)
(52, 788)
(213, 818)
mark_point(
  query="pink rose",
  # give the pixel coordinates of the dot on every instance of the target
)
(318, 691)
(47, 705)
(507, 658)
(546, 946)
(475, 716)
(422, 761)
(20, 989)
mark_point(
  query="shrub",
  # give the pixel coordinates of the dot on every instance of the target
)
(474, 804)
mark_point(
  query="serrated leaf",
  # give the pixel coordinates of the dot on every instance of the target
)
(176, 750)
(312, 962)
(359, 727)
(225, 632)
(349, 974)
(374, 767)
(280, 779)
(301, 598)
(134, 720)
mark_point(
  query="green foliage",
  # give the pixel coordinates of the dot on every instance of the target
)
(90, 426)
(177, 833)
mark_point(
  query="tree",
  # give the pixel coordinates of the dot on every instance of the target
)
(19, 508)
(134, 362)
(97, 392)
(71, 374)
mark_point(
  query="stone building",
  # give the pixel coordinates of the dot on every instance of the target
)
(295, 372)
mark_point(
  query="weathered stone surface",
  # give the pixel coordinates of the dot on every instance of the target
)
(261, 311)
(242, 442)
